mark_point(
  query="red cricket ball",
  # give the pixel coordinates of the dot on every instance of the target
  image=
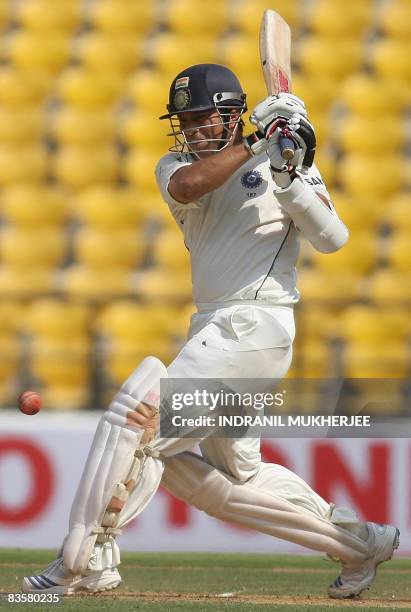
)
(29, 402)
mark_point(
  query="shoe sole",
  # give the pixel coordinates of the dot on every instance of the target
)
(65, 590)
(395, 545)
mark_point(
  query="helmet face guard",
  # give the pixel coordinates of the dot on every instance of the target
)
(183, 139)
(202, 88)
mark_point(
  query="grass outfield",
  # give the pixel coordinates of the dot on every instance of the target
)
(206, 582)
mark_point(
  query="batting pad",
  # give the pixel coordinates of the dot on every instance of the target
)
(191, 479)
(113, 466)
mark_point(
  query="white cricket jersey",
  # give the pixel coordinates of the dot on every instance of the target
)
(243, 245)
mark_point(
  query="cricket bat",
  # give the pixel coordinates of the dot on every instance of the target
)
(275, 54)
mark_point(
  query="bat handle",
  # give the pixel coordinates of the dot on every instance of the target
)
(287, 148)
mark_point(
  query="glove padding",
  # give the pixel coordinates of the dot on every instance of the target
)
(284, 106)
(300, 130)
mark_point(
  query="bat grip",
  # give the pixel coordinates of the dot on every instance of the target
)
(287, 148)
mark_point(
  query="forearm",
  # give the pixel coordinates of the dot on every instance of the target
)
(317, 221)
(193, 181)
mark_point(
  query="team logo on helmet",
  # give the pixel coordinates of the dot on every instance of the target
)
(251, 179)
(182, 99)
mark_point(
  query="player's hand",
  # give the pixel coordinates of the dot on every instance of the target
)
(300, 130)
(283, 106)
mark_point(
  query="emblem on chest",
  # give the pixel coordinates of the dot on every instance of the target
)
(251, 180)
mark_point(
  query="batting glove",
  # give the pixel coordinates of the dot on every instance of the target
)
(284, 106)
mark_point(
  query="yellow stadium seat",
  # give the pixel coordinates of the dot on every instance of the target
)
(399, 216)
(247, 15)
(83, 88)
(318, 93)
(22, 164)
(30, 205)
(25, 283)
(10, 355)
(20, 126)
(328, 57)
(313, 360)
(240, 53)
(143, 129)
(122, 16)
(95, 285)
(149, 90)
(131, 321)
(28, 248)
(109, 208)
(323, 128)
(385, 174)
(75, 126)
(358, 212)
(5, 15)
(394, 19)
(99, 52)
(158, 284)
(61, 362)
(359, 256)
(124, 357)
(79, 167)
(56, 319)
(104, 248)
(170, 251)
(316, 322)
(48, 16)
(357, 134)
(325, 160)
(139, 167)
(372, 96)
(11, 316)
(369, 361)
(171, 54)
(339, 19)
(399, 252)
(390, 287)
(34, 51)
(319, 287)
(23, 87)
(60, 397)
(390, 58)
(371, 326)
(186, 17)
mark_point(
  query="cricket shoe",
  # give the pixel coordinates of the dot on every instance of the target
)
(55, 579)
(382, 541)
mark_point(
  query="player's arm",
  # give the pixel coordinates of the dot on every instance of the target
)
(310, 210)
(193, 181)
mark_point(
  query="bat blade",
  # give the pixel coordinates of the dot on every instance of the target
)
(275, 54)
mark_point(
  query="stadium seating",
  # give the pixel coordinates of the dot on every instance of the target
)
(21, 163)
(121, 16)
(100, 248)
(186, 17)
(34, 51)
(86, 89)
(19, 126)
(104, 53)
(23, 247)
(80, 166)
(334, 18)
(109, 208)
(357, 134)
(30, 205)
(84, 234)
(94, 285)
(73, 126)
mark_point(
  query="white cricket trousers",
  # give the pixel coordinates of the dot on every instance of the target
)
(238, 341)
